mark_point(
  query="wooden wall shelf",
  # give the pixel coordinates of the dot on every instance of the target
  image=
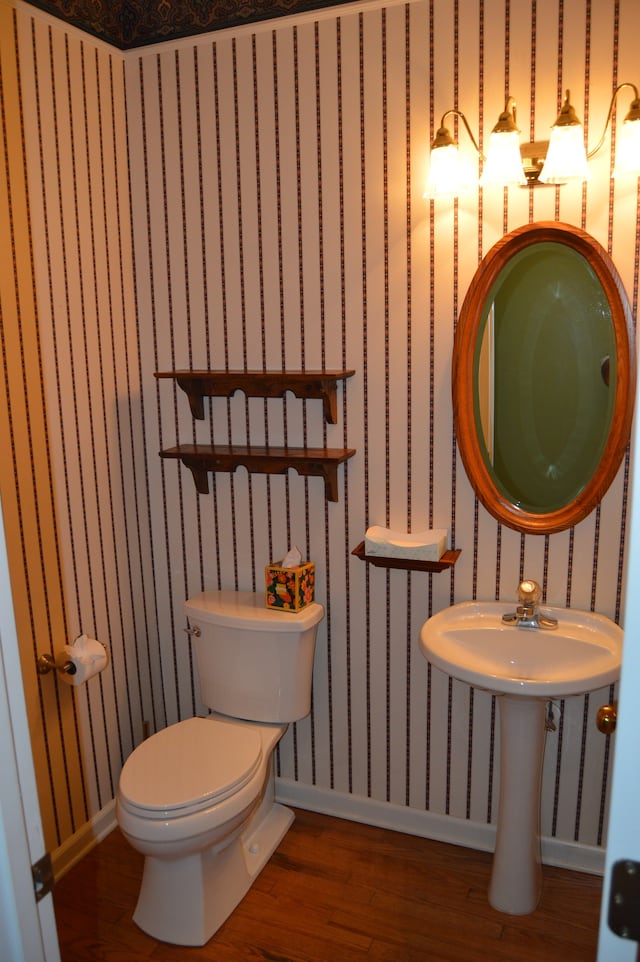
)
(303, 384)
(447, 560)
(310, 462)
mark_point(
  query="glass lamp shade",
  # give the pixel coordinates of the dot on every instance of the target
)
(628, 150)
(449, 173)
(566, 157)
(503, 165)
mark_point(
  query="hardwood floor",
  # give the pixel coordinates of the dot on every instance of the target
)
(336, 891)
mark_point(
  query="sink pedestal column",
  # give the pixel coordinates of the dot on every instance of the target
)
(516, 879)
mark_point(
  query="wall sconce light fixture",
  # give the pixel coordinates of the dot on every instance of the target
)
(503, 163)
(561, 159)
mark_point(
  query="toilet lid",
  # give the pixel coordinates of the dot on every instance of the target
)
(189, 766)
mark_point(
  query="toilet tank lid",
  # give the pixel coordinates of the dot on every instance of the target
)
(236, 608)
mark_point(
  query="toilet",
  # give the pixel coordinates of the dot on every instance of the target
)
(197, 799)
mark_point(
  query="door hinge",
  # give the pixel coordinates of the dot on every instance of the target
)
(624, 900)
(42, 874)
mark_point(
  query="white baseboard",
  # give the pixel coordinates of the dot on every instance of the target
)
(356, 808)
(82, 841)
(441, 828)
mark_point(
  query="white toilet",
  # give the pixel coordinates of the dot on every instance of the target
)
(197, 798)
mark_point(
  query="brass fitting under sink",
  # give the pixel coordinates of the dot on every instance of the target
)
(606, 718)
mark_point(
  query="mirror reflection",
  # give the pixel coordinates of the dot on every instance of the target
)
(545, 376)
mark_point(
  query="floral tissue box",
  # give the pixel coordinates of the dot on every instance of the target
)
(289, 589)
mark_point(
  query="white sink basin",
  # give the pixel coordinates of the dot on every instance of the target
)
(471, 642)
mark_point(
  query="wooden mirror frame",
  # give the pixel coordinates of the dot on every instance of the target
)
(463, 389)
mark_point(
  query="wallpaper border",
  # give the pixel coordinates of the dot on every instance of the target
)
(135, 23)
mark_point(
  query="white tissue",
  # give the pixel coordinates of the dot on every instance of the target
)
(427, 545)
(292, 559)
(89, 657)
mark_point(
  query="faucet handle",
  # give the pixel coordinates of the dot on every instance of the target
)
(529, 592)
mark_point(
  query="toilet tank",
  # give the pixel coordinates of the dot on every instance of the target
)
(253, 662)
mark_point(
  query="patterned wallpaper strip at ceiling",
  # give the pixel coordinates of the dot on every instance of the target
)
(136, 23)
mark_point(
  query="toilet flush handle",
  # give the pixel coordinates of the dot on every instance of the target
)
(195, 631)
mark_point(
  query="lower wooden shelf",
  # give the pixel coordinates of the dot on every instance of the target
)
(447, 560)
(310, 462)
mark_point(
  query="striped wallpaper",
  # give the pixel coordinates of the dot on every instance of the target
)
(253, 199)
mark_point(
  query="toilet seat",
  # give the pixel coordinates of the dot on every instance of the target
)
(188, 767)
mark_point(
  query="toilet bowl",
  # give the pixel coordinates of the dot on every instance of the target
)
(208, 839)
(197, 799)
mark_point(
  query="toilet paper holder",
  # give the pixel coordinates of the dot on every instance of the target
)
(47, 663)
(76, 663)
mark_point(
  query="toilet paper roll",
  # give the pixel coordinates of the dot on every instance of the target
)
(88, 657)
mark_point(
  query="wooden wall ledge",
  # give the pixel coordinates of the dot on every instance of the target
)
(303, 384)
(310, 462)
(447, 560)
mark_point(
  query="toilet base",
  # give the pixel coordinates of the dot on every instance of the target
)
(184, 901)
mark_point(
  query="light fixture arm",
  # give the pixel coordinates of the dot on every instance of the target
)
(443, 135)
(633, 114)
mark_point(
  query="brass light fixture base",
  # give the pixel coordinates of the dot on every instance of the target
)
(533, 157)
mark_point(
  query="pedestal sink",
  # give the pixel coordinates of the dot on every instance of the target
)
(525, 667)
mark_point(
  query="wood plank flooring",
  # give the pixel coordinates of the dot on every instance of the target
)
(337, 891)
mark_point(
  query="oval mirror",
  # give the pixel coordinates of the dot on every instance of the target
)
(543, 377)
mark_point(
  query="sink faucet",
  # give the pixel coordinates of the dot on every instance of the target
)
(526, 614)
